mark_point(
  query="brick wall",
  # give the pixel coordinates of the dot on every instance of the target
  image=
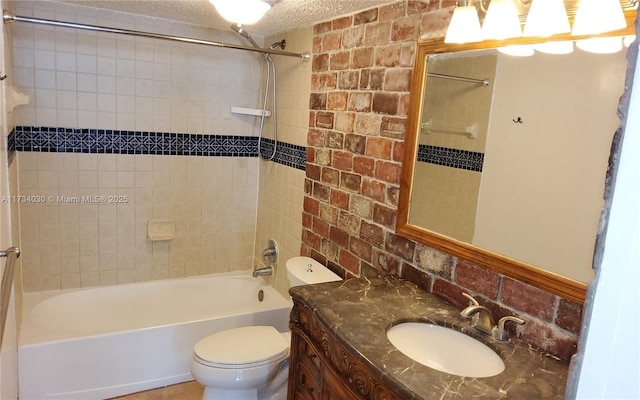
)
(361, 77)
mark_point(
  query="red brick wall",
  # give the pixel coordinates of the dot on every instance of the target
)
(361, 78)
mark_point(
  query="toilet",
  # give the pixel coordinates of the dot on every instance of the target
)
(252, 362)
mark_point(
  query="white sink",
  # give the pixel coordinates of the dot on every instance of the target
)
(446, 350)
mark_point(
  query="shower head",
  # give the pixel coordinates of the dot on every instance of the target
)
(240, 31)
(280, 44)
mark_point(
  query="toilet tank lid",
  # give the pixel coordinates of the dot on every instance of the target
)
(309, 271)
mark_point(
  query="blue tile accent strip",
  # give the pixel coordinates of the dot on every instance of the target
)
(454, 158)
(11, 146)
(291, 155)
(106, 141)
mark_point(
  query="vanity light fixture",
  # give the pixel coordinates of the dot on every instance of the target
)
(242, 12)
(545, 18)
(465, 25)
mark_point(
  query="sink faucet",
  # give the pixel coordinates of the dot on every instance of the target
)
(265, 271)
(499, 333)
(484, 322)
(482, 318)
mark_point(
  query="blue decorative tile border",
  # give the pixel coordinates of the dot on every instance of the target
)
(454, 158)
(106, 141)
(291, 155)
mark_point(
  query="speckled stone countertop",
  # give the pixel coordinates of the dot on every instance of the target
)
(358, 312)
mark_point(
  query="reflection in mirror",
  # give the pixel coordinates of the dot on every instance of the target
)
(518, 165)
(505, 162)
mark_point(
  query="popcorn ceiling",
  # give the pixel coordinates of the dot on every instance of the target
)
(285, 15)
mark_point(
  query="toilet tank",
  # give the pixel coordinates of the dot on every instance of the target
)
(306, 271)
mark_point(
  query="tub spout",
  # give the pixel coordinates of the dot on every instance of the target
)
(266, 271)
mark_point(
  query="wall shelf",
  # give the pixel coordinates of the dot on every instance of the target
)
(257, 112)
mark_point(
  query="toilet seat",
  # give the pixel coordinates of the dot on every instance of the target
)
(245, 347)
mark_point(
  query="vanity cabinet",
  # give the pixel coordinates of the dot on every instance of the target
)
(321, 368)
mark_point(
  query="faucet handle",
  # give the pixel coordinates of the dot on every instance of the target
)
(499, 333)
(471, 299)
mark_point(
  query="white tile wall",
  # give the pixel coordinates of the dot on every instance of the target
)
(98, 80)
(76, 244)
(294, 88)
(281, 197)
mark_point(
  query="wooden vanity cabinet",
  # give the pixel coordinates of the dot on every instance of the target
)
(320, 368)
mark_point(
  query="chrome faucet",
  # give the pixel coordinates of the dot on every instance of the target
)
(484, 321)
(264, 271)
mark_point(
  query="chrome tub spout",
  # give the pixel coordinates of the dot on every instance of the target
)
(265, 271)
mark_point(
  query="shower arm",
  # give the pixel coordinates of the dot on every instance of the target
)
(9, 17)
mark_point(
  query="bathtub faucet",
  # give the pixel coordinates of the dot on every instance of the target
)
(265, 271)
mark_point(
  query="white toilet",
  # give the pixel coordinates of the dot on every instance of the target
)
(252, 362)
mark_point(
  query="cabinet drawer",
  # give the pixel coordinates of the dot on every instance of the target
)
(307, 384)
(309, 354)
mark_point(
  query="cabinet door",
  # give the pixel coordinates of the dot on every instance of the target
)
(335, 388)
(307, 386)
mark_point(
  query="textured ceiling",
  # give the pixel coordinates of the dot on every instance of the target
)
(285, 15)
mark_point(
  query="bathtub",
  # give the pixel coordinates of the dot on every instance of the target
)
(104, 342)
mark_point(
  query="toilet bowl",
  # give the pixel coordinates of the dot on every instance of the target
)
(252, 362)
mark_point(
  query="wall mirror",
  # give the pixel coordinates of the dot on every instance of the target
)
(506, 156)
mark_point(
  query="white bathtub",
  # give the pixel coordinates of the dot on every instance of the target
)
(104, 342)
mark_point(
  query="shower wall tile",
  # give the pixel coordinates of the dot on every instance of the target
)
(294, 86)
(102, 81)
(281, 196)
(281, 189)
(69, 242)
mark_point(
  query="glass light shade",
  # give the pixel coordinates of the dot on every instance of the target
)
(564, 47)
(524, 50)
(627, 40)
(601, 45)
(546, 18)
(598, 16)
(501, 21)
(243, 12)
(464, 26)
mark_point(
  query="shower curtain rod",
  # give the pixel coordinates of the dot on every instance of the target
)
(483, 82)
(8, 17)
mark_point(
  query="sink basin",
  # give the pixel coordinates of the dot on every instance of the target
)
(445, 350)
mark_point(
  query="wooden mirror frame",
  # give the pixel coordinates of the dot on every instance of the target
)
(553, 283)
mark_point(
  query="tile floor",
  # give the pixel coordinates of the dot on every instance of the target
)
(182, 391)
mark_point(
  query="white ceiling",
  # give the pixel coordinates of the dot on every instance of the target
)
(285, 15)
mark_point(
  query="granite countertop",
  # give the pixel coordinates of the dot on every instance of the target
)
(358, 312)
